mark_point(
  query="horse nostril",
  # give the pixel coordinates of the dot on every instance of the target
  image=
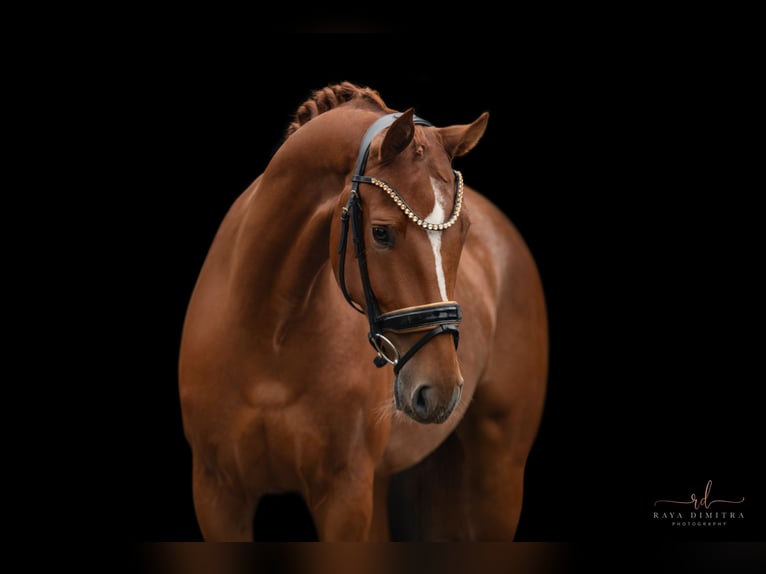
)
(421, 400)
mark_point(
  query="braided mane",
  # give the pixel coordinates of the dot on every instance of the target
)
(331, 97)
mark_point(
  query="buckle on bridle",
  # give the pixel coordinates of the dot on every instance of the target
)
(379, 342)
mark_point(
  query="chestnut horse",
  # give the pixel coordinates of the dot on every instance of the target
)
(361, 309)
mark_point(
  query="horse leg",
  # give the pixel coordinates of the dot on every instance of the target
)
(379, 529)
(502, 421)
(497, 442)
(223, 515)
(494, 481)
(427, 500)
(342, 508)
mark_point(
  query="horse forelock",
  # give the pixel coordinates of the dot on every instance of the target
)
(331, 97)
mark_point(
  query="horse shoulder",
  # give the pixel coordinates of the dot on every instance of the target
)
(510, 289)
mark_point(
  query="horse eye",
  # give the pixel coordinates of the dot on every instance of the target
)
(382, 236)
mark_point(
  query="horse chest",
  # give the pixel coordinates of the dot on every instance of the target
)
(291, 438)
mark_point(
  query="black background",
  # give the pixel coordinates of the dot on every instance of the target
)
(633, 178)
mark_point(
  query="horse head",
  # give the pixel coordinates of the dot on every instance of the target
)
(403, 210)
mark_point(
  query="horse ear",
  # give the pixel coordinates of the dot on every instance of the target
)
(460, 139)
(398, 136)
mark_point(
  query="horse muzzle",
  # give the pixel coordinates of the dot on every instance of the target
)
(428, 400)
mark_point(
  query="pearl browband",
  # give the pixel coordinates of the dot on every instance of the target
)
(399, 201)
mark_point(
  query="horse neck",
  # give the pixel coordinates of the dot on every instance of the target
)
(283, 242)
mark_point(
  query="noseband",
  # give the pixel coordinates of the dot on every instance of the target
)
(432, 318)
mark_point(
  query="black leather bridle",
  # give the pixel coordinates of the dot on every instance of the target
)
(434, 318)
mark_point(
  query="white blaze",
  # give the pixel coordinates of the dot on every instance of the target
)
(435, 237)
